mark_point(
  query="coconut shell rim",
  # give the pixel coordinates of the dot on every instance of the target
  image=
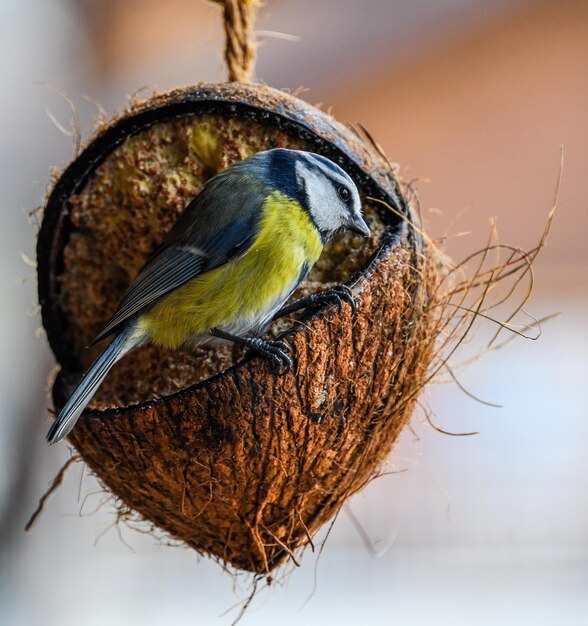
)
(200, 99)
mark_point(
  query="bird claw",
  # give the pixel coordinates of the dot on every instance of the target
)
(337, 295)
(275, 352)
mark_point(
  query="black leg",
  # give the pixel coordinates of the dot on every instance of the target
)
(337, 295)
(274, 351)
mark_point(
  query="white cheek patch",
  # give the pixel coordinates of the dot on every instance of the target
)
(324, 203)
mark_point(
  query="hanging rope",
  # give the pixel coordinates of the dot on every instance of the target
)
(240, 45)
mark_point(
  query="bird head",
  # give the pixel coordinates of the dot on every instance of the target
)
(323, 188)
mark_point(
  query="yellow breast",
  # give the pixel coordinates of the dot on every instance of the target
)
(240, 293)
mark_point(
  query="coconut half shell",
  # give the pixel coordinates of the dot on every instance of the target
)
(214, 448)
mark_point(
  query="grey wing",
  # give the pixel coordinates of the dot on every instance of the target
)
(200, 241)
(168, 270)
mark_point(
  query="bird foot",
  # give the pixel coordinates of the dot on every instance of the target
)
(337, 295)
(274, 351)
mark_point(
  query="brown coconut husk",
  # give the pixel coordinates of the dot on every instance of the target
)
(214, 448)
(210, 445)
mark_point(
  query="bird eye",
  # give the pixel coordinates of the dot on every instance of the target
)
(344, 193)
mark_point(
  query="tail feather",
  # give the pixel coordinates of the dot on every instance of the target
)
(87, 387)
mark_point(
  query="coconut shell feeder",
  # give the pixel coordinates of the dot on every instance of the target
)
(211, 445)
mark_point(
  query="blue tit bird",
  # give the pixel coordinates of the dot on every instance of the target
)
(229, 263)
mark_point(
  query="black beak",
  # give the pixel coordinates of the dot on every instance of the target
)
(359, 226)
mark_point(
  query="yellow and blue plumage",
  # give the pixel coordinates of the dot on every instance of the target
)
(235, 295)
(230, 262)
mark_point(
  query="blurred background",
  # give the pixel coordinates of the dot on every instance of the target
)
(474, 99)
